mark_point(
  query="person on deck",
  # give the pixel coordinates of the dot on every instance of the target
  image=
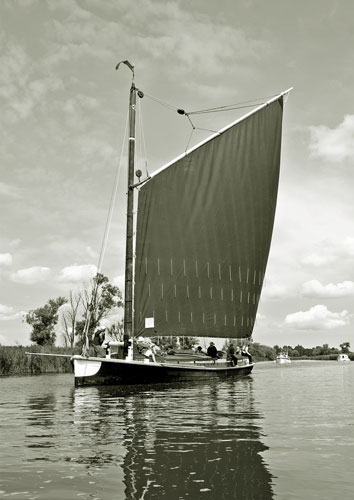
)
(212, 351)
(98, 338)
(230, 355)
(246, 354)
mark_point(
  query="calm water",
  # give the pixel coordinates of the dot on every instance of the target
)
(285, 432)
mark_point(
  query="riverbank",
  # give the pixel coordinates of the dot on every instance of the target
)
(15, 361)
(321, 357)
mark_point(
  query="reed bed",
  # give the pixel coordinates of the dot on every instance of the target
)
(15, 361)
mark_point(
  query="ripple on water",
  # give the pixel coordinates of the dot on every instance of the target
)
(281, 432)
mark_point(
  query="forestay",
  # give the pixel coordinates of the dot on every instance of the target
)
(204, 229)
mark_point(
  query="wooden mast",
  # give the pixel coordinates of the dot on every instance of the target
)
(128, 292)
(128, 301)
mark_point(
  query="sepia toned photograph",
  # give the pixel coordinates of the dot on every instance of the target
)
(176, 249)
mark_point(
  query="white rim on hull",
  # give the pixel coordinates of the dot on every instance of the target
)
(86, 367)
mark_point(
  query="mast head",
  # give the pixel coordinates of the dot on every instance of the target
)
(127, 63)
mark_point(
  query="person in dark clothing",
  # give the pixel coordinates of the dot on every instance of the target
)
(98, 339)
(231, 354)
(212, 351)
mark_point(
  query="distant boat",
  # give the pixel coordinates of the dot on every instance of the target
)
(283, 357)
(203, 233)
(343, 357)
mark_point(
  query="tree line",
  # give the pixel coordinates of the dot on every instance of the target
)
(324, 350)
(260, 351)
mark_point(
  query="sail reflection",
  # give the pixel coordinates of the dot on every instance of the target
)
(183, 441)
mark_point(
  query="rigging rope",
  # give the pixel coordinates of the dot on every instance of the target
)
(224, 108)
(112, 202)
(141, 126)
(229, 107)
(104, 243)
(240, 105)
(160, 101)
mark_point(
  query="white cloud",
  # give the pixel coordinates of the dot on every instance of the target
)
(5, 259)
(273, 291)
(331, 251)
(317, 318)
(8, 313)
(77, 273)
(314, 288)
(206, 44)
(80, 101)
(30, 275)
(94, 146)
(115, 317)
(91, 253)
(65, 307)
(10, 191)
(119, 281)
(317, 260)
(260, 317)
(15, 243)
(23, 84)
(333, 144)
(346, 247)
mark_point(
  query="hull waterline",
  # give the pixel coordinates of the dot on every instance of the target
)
(100, 371)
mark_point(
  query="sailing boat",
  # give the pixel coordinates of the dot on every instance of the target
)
(203, 234)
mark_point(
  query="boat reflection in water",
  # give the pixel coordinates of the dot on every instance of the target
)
(185, 441)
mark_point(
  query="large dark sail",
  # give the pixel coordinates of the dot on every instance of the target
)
(204, 229)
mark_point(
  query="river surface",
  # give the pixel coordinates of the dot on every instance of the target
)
(285, 432)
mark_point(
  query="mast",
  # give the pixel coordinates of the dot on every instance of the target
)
(128, 292)
(128, 301)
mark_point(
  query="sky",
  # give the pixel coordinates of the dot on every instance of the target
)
(63, 110)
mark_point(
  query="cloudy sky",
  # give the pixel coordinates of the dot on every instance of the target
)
(62, 119)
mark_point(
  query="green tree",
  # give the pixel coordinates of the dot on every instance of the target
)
(345, 347)
(260, 351)
(43, 321)
(316, 351)
(98, 299)
(325, 349)
(300, 349)
(69, 319)
(115, 331)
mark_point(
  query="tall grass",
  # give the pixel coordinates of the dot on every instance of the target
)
(14, 361)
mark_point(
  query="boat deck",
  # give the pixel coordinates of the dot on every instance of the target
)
(208, 363)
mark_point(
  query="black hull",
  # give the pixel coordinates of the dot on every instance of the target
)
(98, 371)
